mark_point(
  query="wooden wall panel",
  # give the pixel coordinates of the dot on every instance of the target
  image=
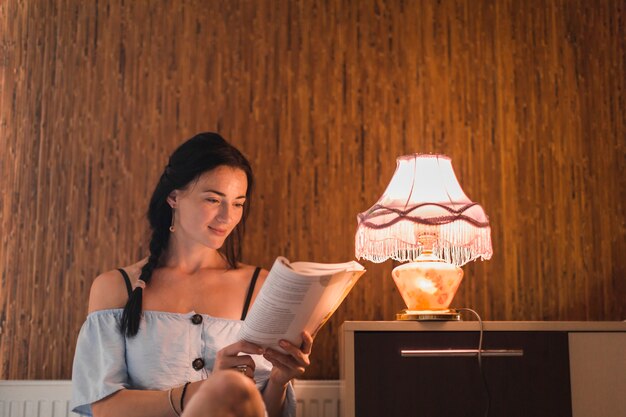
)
(527, 97)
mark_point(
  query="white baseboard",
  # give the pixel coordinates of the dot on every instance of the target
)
(315, 398)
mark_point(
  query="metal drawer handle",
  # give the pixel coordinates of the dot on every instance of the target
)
(408, 353)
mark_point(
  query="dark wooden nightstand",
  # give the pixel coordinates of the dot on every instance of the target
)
(537, 369)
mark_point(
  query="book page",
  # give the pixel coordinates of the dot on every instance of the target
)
(291, 301)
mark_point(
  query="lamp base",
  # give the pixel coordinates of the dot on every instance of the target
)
(429, 315)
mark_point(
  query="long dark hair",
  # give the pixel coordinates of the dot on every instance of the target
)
(202, 153)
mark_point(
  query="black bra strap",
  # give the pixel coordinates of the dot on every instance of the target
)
(129, 287)
(250, 291)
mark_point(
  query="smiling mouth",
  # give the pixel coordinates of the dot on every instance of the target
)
(218, 231)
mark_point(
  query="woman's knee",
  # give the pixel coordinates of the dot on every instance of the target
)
(227, 393)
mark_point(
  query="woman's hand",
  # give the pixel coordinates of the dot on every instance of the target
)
(229, 357)
(291, 365)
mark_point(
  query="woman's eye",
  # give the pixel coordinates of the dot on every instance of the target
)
(240, 205)
(212, 200)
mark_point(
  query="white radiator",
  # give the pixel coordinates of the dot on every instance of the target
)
(317, 398)
(51, 398)
(35, 399)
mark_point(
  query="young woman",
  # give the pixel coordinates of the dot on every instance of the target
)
(160, 339)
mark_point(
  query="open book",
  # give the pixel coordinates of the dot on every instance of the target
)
(295, 297)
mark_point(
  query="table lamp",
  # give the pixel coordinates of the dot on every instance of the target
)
(425, 218)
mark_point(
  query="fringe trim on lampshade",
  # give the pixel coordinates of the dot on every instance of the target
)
(457, 242)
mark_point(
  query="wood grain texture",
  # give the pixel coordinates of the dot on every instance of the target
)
(526, 97)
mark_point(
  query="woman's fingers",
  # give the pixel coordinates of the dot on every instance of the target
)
(245, 370)
(231, 357)
(300, 354)
(286, 363)
(294, 358)
(244, 360)
(234, 362)
(307, 343)
(291, 364)
(242, 346)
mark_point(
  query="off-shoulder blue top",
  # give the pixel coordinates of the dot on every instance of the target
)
(159, 357)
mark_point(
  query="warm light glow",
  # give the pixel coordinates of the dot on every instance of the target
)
(427, 179)
(423, 197)
(427, 285)
(424, 217)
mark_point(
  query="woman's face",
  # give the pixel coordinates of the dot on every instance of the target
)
(207, 210)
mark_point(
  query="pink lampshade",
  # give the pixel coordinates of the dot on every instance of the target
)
(424, 198)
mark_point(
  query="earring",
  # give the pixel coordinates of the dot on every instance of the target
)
(172, 228)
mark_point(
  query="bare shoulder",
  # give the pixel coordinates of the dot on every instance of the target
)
(109, 290)
(134, 270)
(259, 283)
(248, 271)
(262, 277)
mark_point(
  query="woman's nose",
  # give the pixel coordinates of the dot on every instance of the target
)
(224, 214)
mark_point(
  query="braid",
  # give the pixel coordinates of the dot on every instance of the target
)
(131, 316)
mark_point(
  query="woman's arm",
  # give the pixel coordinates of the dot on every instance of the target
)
(144, 403)
(108, 291)
(134, 403)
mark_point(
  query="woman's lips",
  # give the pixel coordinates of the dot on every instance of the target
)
(219, 232)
